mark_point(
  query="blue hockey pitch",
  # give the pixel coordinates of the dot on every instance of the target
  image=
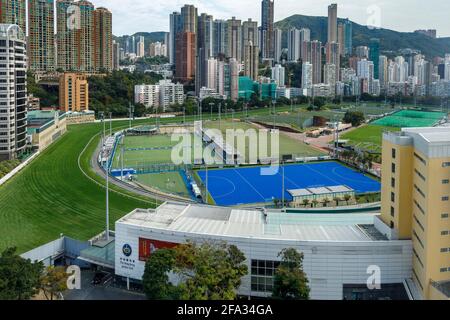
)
(239, 186)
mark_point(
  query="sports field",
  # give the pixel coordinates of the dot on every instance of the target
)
(144, 150)
(287, 145)
(167, 182)
(230, 187)
(368, 137)
(410, 119)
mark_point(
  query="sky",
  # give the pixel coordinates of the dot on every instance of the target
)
(130, 16)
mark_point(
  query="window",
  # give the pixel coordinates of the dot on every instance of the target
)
(393, 168)
(444, 216)
(418, 239)
(419, 191)
(443, 270)
(262, 275)
(393, 182)
(419, 174)
(445, 181)
(392, 225)
(420, 158)
(444, 250)
(444, 233)
(392, 211)
(394, 153)
(444, 198)
(445, 164)
(392, 197)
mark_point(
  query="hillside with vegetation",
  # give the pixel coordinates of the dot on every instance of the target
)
(389, 40)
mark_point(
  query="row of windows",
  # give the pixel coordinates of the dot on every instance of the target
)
(445, 269)
(262, 273)
(445, 232)
(445, 250)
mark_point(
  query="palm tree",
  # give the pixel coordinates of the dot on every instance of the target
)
(315, 202)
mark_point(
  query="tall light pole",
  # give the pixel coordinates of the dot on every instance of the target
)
(274, 113)
(220, 115)
(211, 109)
(110, 124)
(282, 185)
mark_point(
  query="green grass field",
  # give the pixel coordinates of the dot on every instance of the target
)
(168, 182)
(52, 196)
(287, 144)
(411, 119)
(368, 137)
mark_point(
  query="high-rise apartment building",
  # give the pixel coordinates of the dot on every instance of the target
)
(383, 71)
(341, 38)
(189, 18)
(75, 38)
(279, 75)
(73, 92)
(102, 38)
(277, 39)
(13, 12)
(249, 34)
(251, 60)
(185, 56)
(234, 39)
(415, 202)
(307, 78)
(220, 37)
(116, 55)
(348, 37)
(234, 79)
(41, 35)
(316, 61)
(332, 23)
(293, 45)
(13, 92)
(333, 56)
(374, 55)
(161, 95)
(267, 28)
(176, 27)
(140, 47)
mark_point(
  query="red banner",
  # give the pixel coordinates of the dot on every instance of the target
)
(147, 247)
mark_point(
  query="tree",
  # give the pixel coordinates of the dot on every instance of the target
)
(19, 278)
(347, 198)
(290, 281)
(356, 118)
(315, 202)
(326, 201)
(305, 202)
(53, 281)
(211, 271)
(155, 279)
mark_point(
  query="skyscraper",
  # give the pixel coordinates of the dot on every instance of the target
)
(383, 71)
(234, 39)
(175, 27)
(75, 36)
(341, 38)
(293, 45)
(220, 37)
(251, 60)
(13, 12)
(205, 49)
(189, 18)
(307, 78)
(333, 56)
(267, 27)
(234, 79)
(316, 61)
(348, 36)
(141, 47)
(185, 56)
(116, 55)
(332, 23)
(102, 37)
(13, 120)
(277, 39)
(249, 33)
(374, 55)
(41, 35)
(279, 75)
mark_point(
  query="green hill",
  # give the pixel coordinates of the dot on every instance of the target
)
(390, 40)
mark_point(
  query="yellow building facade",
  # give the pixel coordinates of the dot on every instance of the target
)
(415, 202)
(73, 92)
